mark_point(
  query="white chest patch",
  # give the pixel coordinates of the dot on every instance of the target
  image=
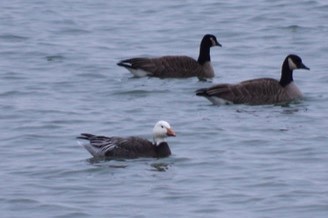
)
(293, 91)
(208, 68)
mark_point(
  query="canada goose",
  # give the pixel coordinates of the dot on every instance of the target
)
(130, 147)
(175, 66)
(259, 91)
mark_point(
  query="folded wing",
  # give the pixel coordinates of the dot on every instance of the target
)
(118, 147)
(257, 91)
(166, 66)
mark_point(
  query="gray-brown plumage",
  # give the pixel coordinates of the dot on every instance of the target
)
(175, 66)
(258, 91)
(130, 147)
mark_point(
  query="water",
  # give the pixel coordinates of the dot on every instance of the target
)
(58, 78)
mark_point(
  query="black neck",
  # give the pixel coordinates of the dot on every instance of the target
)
(204, 54)
(163, 150)
(286, 74)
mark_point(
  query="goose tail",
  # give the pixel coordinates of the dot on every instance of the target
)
(201, 92)
(125, 64)
(85, 136)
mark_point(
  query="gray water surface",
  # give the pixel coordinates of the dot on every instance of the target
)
(58, 78)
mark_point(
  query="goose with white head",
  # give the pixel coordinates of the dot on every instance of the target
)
(259, 91)
(130, 147)
(175, 66)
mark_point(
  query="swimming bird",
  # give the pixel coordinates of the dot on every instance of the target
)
(175, 66)
(130, 147)
(259, 91)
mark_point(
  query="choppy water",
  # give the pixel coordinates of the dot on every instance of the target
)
(58, 78)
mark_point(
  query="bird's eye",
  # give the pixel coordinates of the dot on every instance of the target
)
(162, 126)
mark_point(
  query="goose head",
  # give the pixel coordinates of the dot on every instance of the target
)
(291, 62)
(161, 130)
(210, 40)
(295, 62)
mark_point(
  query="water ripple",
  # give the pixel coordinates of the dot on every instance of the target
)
(59, 78)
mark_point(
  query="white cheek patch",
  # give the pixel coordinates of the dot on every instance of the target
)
(291, 64)
(213, 41)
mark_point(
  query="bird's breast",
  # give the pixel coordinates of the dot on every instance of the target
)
(293, 91)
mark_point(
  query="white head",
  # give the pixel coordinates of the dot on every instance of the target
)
(161, 130)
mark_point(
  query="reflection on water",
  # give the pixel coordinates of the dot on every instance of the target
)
(161, 166)
(124, 163)
(107, 162)
(55, 58)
